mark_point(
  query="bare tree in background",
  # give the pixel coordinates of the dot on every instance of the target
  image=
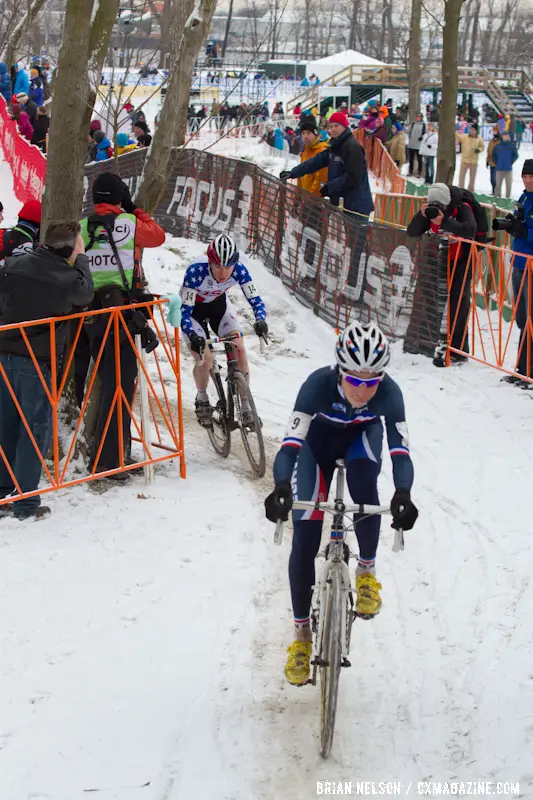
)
(414, 68)
(15, 23)
(63, 195)
(450, 85)
(190, 25)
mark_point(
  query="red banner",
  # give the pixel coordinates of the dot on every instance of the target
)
(27, 161)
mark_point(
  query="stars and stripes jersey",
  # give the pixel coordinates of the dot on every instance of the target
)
(321, 411)
(199, 286)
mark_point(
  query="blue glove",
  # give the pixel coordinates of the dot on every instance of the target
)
(174, 310)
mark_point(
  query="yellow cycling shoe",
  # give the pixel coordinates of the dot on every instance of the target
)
(368, 602)
(297, 668)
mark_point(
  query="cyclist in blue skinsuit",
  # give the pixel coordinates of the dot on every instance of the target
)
(338, 414)
(203, 294)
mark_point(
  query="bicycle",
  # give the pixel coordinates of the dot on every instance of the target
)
(332, 606)
(227, 412)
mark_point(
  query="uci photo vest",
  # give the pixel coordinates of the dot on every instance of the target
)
(102, 261)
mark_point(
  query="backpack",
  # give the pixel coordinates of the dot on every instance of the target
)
(479, 214)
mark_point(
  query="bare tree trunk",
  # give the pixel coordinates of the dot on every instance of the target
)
(228, 26)
(475, 31)
(414, 59)
(98, 47)
(26, 22)
(450, 85)
(191, 24)
(63, 195)
(353, 26)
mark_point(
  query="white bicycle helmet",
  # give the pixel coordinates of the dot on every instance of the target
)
(362, 348)
(223, 251)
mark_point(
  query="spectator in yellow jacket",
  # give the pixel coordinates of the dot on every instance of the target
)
(471, 146)
(312, 146)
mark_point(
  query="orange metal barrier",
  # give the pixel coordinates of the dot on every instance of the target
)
(161, 438)
(380, 163)
(483, 313)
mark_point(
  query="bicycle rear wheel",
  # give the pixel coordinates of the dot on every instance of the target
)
(330, 658)
(219, 432)
(252, 437)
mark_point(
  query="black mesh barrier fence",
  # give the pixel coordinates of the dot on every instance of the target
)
(339, 264)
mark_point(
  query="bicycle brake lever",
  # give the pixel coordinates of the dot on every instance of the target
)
(398, 543)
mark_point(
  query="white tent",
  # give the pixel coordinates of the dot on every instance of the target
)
(324, 68)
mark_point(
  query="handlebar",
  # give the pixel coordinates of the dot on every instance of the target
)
(366, 510)
(263, 341)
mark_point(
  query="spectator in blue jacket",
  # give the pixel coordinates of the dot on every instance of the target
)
(522, 276)
(5, 82)
(279, 140)
(36, 91)
(103, 148)
(347, 170)
(22, 82)
(504, 155)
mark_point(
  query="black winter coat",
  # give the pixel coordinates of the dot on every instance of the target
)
(347, 173)
(40, 129)
(40, 285)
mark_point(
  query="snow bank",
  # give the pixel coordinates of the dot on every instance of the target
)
(144, 633)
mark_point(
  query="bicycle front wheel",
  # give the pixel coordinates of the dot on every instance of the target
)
(252, 435)
(330, 657)
(219, 432)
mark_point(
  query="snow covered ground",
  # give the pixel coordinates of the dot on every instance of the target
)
(143, 634)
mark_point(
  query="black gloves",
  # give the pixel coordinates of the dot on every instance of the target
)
(127, 203)
(285, 175)
(324, 191)
(279, 502)
(404, 512)
(261, 327)
(197, 343)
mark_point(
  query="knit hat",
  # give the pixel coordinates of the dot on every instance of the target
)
(339, 118)
(440, 193)
(527, 169)
(34, 72)
(398, 126)
(31, 212)
(108, 188)
(122, 139)
(139, 123)
(98, 136)
(384, 110)
(308, 123)
(95, 125)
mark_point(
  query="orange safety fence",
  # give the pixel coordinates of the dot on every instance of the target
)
(490, 307)
(380, 163)
(158, 426)
(399, 209)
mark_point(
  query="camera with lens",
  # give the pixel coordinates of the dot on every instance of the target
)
(138, 325)
(434, 209)
(512, 223)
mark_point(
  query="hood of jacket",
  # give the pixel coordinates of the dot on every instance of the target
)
(104, 144)
(3, 68)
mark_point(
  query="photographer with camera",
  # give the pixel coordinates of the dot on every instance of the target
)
(520, 226)
(114, 235)
(448, 214)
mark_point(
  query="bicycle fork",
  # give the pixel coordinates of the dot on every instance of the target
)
(320, 591)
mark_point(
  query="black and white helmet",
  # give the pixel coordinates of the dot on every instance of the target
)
(223, 251)
(362, 348)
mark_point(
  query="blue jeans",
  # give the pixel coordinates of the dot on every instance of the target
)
(17, 445)
(523, 367)
(361, 449)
